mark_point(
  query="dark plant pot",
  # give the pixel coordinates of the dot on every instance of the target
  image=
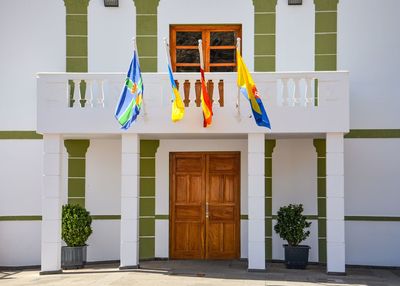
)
(73, 257)
(296, 257)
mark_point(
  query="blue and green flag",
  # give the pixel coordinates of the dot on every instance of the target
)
(131, 99)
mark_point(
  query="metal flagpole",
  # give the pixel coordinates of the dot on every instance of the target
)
(238, 93)
(201, 54)
(137, 54)
(168, 54)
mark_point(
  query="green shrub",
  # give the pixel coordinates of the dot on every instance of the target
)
(291, 224)
(76, 225)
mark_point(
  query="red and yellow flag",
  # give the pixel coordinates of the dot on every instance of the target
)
(205, 102)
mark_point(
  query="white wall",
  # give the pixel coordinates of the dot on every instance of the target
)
(110, 33)
(372, 177)
(368, 46)
(162, 184)
(32, 40)
(20, 191)
(207, 12)
(104, 243)
(20, 243)
(294, 181)
(103, 177)
(21, 167)
(295, 28)
(372, 243)
(103, 197)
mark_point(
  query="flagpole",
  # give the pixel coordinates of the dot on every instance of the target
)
(238, 92)
(201, 54)
(137, 56)
(168, 54)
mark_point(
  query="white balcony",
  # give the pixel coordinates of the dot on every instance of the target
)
(294, 103)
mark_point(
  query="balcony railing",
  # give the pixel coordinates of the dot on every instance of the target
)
(296, 102)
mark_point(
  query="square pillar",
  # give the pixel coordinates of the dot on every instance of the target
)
(256, 202)
(51, 205)
(335, 203)
(129, 248)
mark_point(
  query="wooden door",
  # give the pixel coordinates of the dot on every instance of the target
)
(187, 206)
(222, 206)
(205, 205)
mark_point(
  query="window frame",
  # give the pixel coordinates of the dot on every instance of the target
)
(205, 32)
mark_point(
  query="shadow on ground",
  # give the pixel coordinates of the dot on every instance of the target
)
(237, 270)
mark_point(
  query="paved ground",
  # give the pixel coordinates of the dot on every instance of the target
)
(198, 273)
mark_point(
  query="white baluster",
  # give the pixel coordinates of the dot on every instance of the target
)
(297, 92)
(89, 92)
(309, 97)
(69, 101)
(100, 95)
(77, 93)
(285, 92)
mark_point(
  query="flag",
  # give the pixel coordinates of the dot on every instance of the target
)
(178, 109)
(205, 102)
(249, 90)
(131, 99)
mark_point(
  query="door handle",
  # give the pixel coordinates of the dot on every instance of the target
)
(206, 209)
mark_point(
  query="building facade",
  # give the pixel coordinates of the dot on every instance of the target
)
(326, 71)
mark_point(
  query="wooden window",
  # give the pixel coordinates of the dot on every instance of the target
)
(219, 47)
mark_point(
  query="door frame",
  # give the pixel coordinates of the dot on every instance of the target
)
(238, 197)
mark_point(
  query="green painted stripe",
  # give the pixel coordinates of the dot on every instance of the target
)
(326, 5)
(163, 217)
(373, 133)
(147, 202)
(21, 218)
(320, 148)
(371, 218)
(20, 135)
(106, 217)
(310, 217)
(242, 217)
(146, 247)
(269, 146)
(325, 45)
(264, 45)
(146, 24)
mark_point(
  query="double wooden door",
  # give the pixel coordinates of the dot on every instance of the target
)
(205, 205)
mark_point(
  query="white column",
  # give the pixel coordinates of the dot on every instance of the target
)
(335, 203)
(256, 202)
(129, 249)
(51, 205)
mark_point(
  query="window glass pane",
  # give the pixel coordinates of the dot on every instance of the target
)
(222, 38)
(188, 69)
(187, 38)
(222, 56)
(187, 56)
(222, 69)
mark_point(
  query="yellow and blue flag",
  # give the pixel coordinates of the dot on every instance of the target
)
(131, 99)
(249, 90)
(178, 109)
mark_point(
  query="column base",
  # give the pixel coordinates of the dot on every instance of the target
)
(51, 272)
(257, 270)
(337, 273)
(129, 267)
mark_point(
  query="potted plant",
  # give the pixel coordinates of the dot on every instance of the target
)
(75, 230)
(291, 226)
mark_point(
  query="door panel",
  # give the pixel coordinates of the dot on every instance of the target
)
(205, 205)
(187, 207)
(223, 200)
